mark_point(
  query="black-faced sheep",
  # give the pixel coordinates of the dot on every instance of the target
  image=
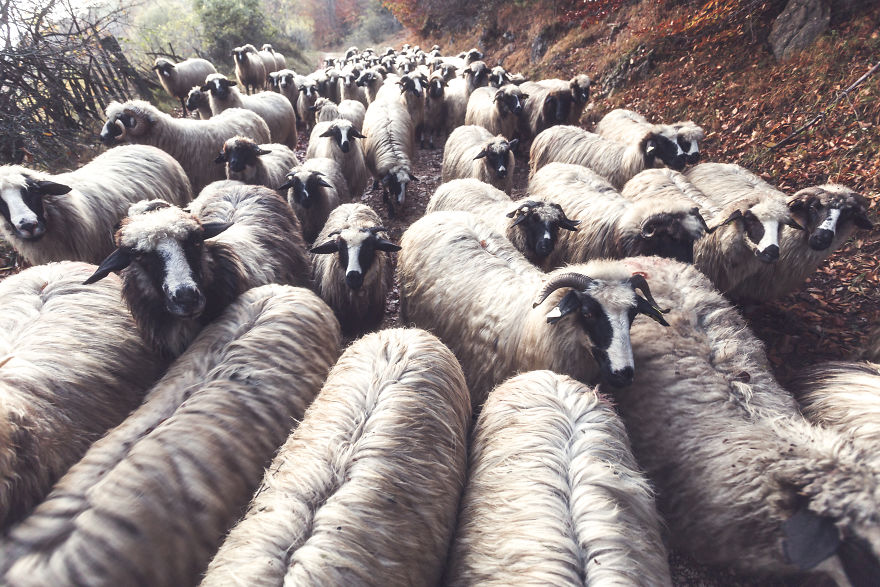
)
(150, 503)
(198, 103)
(742, 478)
(546, 107)
(496, 110)
(626, 126)
(498, 77)
(249, 68)
(554, 495)
(372, 81)
(314, 189)
(274, 108)
(578, 89)
(308, 95)
(476, 75)
(181, 269)
(254, 164)
(286, 80)
(749, 215)
(73, 366)
(617, 162)
(349, 88)
(830, 214)
(388, 150)
(501, 315)
(351, 267)
(71, 216)
(435, 108)
(472, 151)
(532, 226)
(351, 110)
(366, 489)
(179, 78)
(338, 140)
(193, 143)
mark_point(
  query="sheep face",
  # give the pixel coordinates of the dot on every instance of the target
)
(825, 210)
(125, 122)
(498, 155)
(161, 248)
(477, 75)
(356, 248)
(413, 84)
(760, 226)
(219, 86)
(310, 89)
(343, 134)
(196, 99)
(540, 223)
(394, 184)
(472, 56)
(240, 53)
(498, 77)
(273, 80)
(240, 155)
(163, 68)
(367, 78)
(657, 145)
(21, 202)
(667, 234)
(556, 108)
(580, 89)
(436, 87)
(267, 47)
(604, 310)
(303, 186)
(688, 136)
(286, 80)
(448, 71)
(510, 100)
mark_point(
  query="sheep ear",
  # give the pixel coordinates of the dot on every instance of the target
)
(331, 246)
(327, 133)
(221, 158)
(212, 229)
(524, 97)
(789, 221)
(481, 154)
(155, 67)
(861, 220)
(568, 304)
(386, 245)
(809, 539)
(354, 133)
(569, 224)
(737, 214)
(261, 151)
(411, 176)
(313, 109)
(645, 307)
(52, 188)
(498, 95)
(286, 185)
(321, 182)
(512, 144)
(115, 261)
(230, 82)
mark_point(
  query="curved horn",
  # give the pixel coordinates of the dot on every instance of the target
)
(696, 212)
(638, 281)
(376, 229)
(575, 280)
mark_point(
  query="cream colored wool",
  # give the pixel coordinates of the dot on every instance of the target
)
(486, 109)
(269, 169)
(462, 147)
(274, 108)
(325, 199)
(352, 164)
(182, 76)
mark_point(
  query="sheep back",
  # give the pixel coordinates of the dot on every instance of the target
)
(180, 77)
(390, 137)
(461, 151)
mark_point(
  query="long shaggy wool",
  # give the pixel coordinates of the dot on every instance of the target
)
(80, 223)
(274, 108)
(554, 495)
(486, 110)
(729, 453)
(578, 89)
(365, 491)
(269, 169)
(390, 138)
(193, 143)
(352, 164)
(182, 76)
(324, 199)
(250, 70)
(462, 148)
(150, 502)
(71, 366)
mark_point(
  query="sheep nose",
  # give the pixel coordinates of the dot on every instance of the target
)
(354, 279)
(344, 146)
(693, 158)
(28, 229)
(502, 171)
(821, 239)
(109, 133)
(679, 162)
(186, 302)
(621, 377)
(768, 255)
(544, 247)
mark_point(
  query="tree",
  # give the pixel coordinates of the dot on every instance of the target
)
(229, 23)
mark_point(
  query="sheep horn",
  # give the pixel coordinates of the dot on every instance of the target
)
(121, 126)
(696, 212)
(638, 281)
(376, 229)
(575, 280)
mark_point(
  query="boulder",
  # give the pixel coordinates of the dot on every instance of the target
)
(798, 26)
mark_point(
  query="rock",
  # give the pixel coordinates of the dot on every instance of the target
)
(539, 47)
(798, 26)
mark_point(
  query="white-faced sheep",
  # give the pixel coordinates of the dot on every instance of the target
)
(150, 502)
(366, 489)
(532, 226)
(193, 143)
(351, 267)
(501, 315)
(351, 110)
(249, 68)
(578, 89)
(749, 215)
(742, 478)
(314, 189)
(181, 269)
(472, 151)
(286, 83)
(435, 108)
(626, 126)
(496, 110)
(179, 78)
(308, 95)
(198, 103)
(274, 108)
(830, 214)
(388, 150)
(338, 140)
(73, 367)
(254, 164)
(267, 55)
(71, 216)
(612, 226)
(554, 495)
(617, 162)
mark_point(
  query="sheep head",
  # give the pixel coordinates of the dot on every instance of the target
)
(219, 85)
(667, 230)
(356, 248)
(395, 181)
(303, 185)
(498, 155)
(477, 75)
(510, 100)
(342, 132)
(580, 89)
(660, 143)
(556, 108)
(605, 309)
(540, 223)
(688, 136)
(759, 222)
(240, 154)
(196, 99)
(127, 122)
(498, 77)
(825, 210)
(412, 84)
(21, 201)
(163, 67)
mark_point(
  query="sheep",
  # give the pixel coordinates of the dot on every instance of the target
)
(179, 78)
(372, 81)
(267, 55)
(249, 68)
(71, 216)
(366, 489)
(844, 397)
(472, 56)
(578, 88)
(472, 288)
(472, 151)
(435, 108)
(197, 102)
(626, 126)
(749, 215)
(273, 108)
(476, 75)
(496, 110)
(689, 135)
(408, 90)
(337, 140)
(830, 214)
(532, 226)
(193, 143)
(388, 150)
(280, 60)
(351, 110)
(314, 189)
(498, 77)
(330, 88)
(151, 501)
(554, 495)
(181, 269)
(255, 164)
(349, 89)
(351, 267)
(287, 87)
(456, 99)
(546, 107)
(612, 226)
(73, 367)
(742, 478)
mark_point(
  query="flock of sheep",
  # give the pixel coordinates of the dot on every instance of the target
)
(197, 418)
